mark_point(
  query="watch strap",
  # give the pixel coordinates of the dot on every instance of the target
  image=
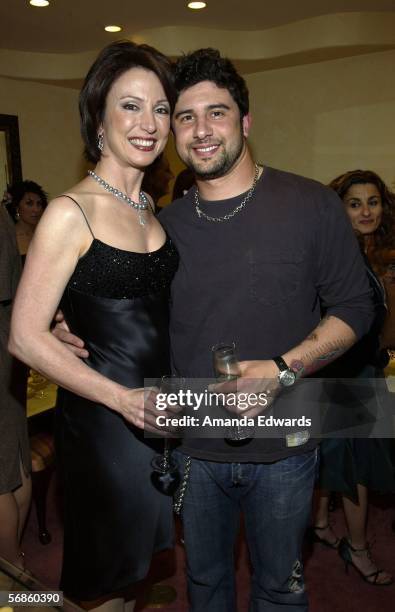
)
(280, 363)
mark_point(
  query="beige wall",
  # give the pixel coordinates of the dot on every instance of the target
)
(51, 147)
(322, 119)
(317, 120)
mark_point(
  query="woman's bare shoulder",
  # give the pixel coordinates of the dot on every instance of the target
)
(80, 196)
(66, 211)
(82, 193)
(63, 228)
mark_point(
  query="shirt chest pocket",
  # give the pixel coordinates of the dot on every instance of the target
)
(275, 278)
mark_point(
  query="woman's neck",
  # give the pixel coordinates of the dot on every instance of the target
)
(24, 229)
(24, 234)
(126, 179)
(368, 243)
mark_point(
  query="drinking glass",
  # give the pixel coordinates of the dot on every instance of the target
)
(166, 476)
(226, 368)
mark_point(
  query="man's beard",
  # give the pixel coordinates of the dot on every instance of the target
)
(225, 162)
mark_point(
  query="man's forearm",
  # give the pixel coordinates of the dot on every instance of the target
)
(330, 339)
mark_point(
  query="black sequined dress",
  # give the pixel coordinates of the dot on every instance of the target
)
(117, 301)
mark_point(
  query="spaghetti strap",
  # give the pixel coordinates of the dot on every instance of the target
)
(82, 210)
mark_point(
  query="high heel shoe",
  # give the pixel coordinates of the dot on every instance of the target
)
(345, 552)
(314, 537)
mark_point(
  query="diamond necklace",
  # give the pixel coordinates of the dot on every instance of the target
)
(140, 206)
(238, 208)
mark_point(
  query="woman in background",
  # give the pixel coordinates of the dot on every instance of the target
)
(28, 203)
(354, 466)
(157, 179)
(184, 181)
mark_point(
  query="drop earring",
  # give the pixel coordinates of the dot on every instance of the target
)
(100, 142)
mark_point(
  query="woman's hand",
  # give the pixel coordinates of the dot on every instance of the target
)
(138, 406)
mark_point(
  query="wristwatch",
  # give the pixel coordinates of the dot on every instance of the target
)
(286, 376)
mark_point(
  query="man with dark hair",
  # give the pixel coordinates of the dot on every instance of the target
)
(262, 251)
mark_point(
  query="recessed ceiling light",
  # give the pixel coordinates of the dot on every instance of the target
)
(196, 5)
(113, 28)
(39, 2)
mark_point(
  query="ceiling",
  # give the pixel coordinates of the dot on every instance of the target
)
(58, 43)
(70, 26)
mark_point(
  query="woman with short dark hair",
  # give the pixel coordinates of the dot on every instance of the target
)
(102, 254)
(28, 202)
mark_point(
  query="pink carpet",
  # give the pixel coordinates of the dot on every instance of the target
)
(329, 588)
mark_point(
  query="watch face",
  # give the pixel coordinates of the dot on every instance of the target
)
(287, 378)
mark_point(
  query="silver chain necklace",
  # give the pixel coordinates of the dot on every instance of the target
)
(238, 208)
(140, 206)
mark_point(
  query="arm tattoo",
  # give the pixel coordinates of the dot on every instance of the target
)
(298, 367)
(321, 356)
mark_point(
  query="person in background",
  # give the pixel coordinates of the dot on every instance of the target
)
(28, 202)
(184, 181)
(157, 178)
(15, 466)
(388, 333)
(355, 466)
(102, 254)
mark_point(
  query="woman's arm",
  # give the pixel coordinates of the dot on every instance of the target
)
(60, 239)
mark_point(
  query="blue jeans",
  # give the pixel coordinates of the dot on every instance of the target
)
(275, 499)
